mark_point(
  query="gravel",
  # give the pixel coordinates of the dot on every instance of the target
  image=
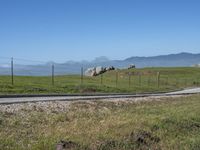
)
(63, 106)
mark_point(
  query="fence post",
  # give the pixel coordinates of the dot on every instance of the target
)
(129, 79)
(12, 72)
(185, 82)
(81, 75)
(116, 78)
(139, 79)
(149, 80)
(176, 81)
(101, 78)
(167, 81)
(197, 82)
(52, 75)
(158, 79)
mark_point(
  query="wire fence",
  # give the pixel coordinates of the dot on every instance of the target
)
(22, 72)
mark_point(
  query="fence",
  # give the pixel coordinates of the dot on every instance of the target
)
(50, 75)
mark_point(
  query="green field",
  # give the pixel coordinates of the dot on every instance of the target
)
(162, 123)
(141, 80)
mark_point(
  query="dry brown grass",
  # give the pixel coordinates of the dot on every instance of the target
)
(164, 123)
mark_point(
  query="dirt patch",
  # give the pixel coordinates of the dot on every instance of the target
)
(144, 138)
(88, 90)
(66, 145)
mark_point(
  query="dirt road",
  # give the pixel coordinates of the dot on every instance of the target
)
(18, 99)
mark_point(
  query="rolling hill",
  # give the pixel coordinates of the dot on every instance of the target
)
(72, 67)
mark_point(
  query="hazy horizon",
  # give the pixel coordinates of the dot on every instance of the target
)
(5, 61)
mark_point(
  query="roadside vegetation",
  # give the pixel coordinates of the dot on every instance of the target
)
(159, 123)
(127, 81)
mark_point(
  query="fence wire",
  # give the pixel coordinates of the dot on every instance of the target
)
(24, 72)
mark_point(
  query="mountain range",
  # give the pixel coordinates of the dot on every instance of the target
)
(73, 67)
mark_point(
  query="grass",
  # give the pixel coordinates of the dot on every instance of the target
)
(167, 123)
(170, 79)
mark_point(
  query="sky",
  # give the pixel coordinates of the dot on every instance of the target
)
(62, 30)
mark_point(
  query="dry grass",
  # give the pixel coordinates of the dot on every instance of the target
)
(164, 123)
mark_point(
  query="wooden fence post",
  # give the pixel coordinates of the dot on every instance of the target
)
(185, 82)
(52, 75)
(81, 75)
(116, 78)
(129, 79)
(149, 80)
(158, 79)
(167, 81)
(139, 79)
(12, 71)
(101, 78)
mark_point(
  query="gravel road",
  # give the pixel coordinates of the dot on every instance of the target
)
(72, 98)
(187, 91)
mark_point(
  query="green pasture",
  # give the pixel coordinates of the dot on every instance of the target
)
(127, 81)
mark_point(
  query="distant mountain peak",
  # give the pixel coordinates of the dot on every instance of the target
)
(182, 54)
(101, 59)
(73, 67)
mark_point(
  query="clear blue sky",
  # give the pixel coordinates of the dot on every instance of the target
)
(62, 30)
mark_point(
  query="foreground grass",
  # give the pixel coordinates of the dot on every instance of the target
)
(141, 80)
(166, 123)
